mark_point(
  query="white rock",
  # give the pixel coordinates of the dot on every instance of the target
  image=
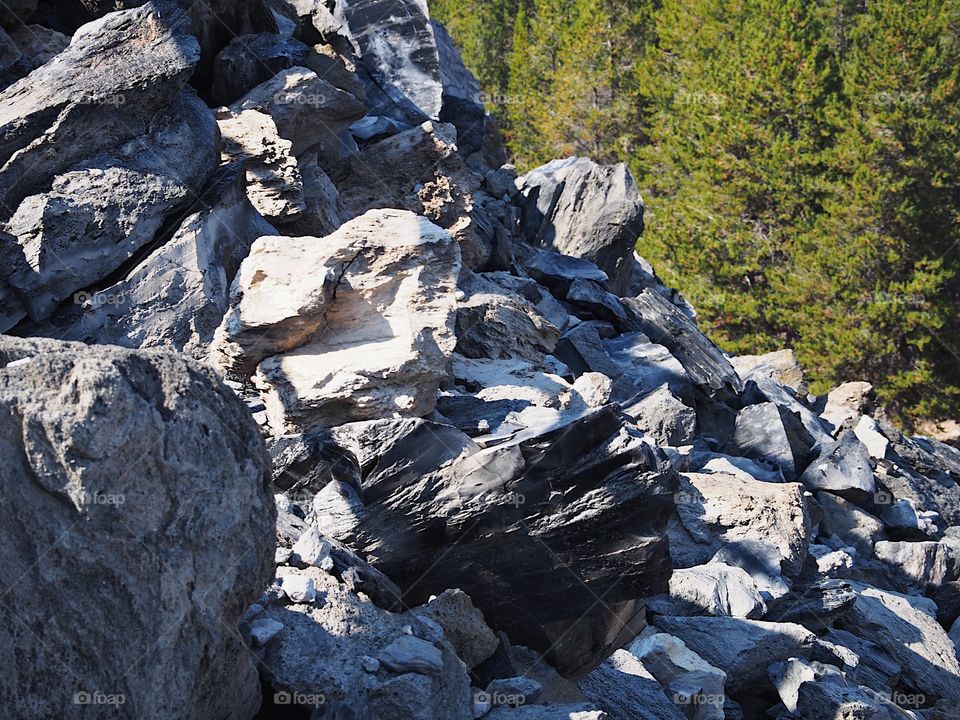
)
(311, 549)
(264, 630)
(869, 434)
(299, 588)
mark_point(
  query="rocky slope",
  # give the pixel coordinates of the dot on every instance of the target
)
(400, 432)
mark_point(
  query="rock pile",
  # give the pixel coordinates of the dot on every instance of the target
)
(510, 477)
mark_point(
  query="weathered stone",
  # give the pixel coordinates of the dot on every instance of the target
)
(780, 366)
(814, 605)
(308, 111)
(118, 465)
(324, 357)
(38, 44)
(177, 296)
(867, 663)
(463, 625)
(788, 675)
(586, 210)
(844, 466)
(901, 625)
(846, 403)
(106, 88)
(711, 589)
(494, 323)
(249, 60)
(515, 487)
(743, 649)
(664, 323)
(921, 566)
(832, 696)
(274, 184)
(685, 676)
(852, 525)
(625, 689)
(868, 432)
(762, 527)
(663, 417)
(127, 193)
(769, 431)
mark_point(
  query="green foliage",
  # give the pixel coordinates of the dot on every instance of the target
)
(800, 163)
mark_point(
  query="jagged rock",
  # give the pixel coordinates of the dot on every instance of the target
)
(847, 402)
(814, 606)
(735, 465)
(865, 663)
(770, 431)
(868, 432)
(904, 626)
(586, 210)
(844, 466)
(177, 296)
(664, 323)
(127, 194)
(685, 676)
(274, 184)
(832, 696)
(663, 417)
(308, 111)
(106, 88)
(921, 566)
(762, 527)
(711, 589)
(493, 323)
(463, 625)
(772, 391)
(625, 689)
(743, 649)
(781, 366)
(250, 60)
(119, 464)
(852, 525)
(646, 365)
(319, 660)
(788, 675)
(322, 213)
(322, 356)
(516, 488)
(400, 57)
(905, 518)
(37, 45)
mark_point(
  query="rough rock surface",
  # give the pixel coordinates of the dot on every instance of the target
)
(153, 562)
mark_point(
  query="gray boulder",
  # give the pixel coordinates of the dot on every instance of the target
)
(249, 60)
(768, 431)
(112, 484)
(586, 210)
(743, 649)
(843, 466)
(663, 417)
(623, 688)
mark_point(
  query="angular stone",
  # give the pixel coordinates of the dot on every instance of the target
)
(127, 193)
(663, 417)
(106, 88)
(625, 689)
(411, 654)
(847, 402)
(119, 464)
(904, 627)
(586, 210)
(743, 649)
(852, 525)
(324, 357)
(921, 566)
(274, 184)
(177, 296)
(766, 525)
(545, 493)
(781, 366)
(711, 589)
(664, 323)
(844, 466)
(249, 60)
(307, 110)
(463, 625)
(685, 676)
(767, 431)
